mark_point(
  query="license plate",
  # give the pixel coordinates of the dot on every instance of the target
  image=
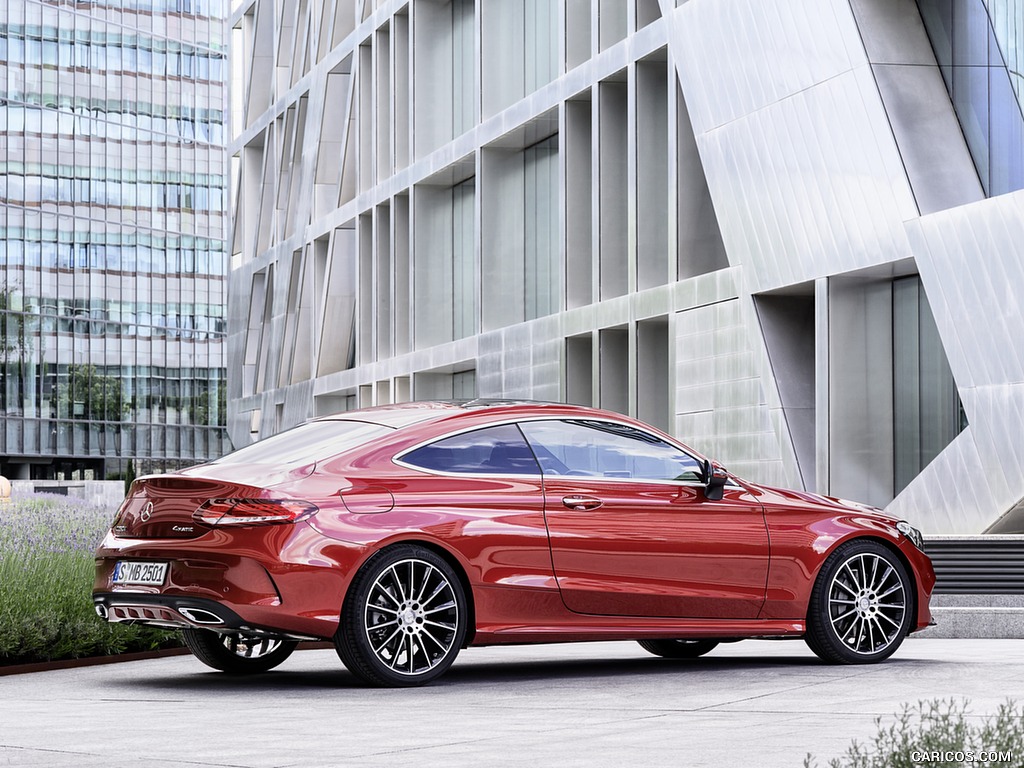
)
(148, 574)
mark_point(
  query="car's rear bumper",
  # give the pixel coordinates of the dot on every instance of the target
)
(174, 612)
(287, 581)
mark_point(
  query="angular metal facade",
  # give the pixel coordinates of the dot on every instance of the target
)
(757, 224)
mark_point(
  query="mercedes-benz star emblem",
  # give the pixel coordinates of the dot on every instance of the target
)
(147, 512)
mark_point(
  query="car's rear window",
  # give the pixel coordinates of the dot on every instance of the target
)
(306, 444)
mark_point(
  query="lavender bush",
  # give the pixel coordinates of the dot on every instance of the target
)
(47, 545)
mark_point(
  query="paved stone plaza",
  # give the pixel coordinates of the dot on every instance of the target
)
(600, 704)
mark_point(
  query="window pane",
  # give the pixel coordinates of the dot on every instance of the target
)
(464, 259)
(494, 450)
(977, 46)
(306, 443)
(926, 405)
(607, 449)
(540, 165)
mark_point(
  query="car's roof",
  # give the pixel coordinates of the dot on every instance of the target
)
(406, 414)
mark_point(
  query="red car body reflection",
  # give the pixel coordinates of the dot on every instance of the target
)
(533, 522)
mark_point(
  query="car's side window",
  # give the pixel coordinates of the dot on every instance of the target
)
(499, 450)
(607, 449)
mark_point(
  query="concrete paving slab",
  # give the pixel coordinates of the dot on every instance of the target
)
(596, 704)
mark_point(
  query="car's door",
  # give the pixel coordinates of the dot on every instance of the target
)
(632, 533)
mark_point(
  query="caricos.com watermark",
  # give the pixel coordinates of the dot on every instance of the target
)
(958, 757)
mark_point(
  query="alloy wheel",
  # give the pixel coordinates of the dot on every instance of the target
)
(867, 602)
(411, 617)
(862, 605)
(237, 653)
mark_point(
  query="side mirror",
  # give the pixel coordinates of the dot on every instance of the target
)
(715, 478)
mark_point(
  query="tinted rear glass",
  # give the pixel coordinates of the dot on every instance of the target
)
(306, 444)
(497, 450)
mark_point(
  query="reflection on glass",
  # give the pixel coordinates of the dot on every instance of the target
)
(541, 228)
(463, 66)
(978, 45)
(1007, 17)
(464, 258)
(607, 449)
(926, 406)
(541, 43)
(499, 450)
(111, 314)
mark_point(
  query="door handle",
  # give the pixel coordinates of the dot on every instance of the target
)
(581, 503)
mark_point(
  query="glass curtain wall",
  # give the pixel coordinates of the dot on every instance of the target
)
(464, 259)
(541, 232)
(112, 223)
(1007, 17)
(463, 66)
(979, 56)
(540, 49)
(927, 413)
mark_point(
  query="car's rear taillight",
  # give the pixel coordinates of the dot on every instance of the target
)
(119, 514)
(242, 512)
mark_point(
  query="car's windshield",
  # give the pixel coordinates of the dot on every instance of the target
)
(306, 443)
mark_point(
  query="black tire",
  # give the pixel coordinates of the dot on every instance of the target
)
(862, 605)
(404, 619)
(678, 649)
(235, 653)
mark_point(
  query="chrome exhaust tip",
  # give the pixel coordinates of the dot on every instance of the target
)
(101, 611)
(201, 616)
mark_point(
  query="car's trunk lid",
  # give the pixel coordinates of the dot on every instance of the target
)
(161, 506)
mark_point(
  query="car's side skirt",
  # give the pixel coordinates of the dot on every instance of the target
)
(594, 628)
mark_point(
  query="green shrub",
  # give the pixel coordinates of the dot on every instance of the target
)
(47, 547)
(940, 733)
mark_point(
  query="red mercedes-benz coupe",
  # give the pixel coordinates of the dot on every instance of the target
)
(405, 533)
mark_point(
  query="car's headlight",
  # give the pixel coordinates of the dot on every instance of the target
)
(911, 533)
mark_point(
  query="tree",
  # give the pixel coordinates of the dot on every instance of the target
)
(12, 327)
(12, 348)
(89, 394)
(207, 408)
(129, 477)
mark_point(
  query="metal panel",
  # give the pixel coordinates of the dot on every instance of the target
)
(721, 406)
(931, 144)
(810, 186)
(971, 271)
(990, 565)
(736, 57)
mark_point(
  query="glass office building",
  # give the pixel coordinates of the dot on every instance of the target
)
(112, 236)
(786, 231)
